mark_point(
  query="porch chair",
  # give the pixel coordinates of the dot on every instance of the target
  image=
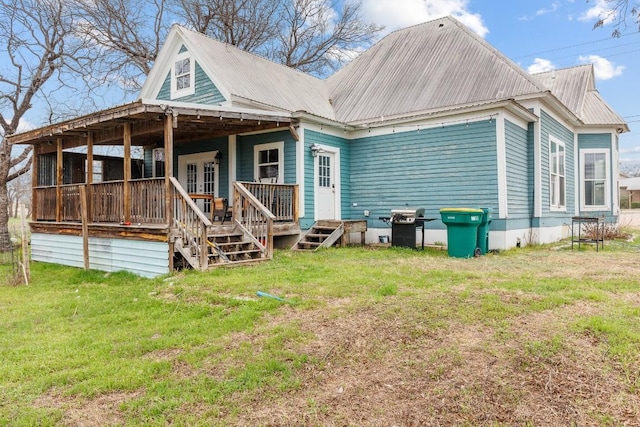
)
(219, 209)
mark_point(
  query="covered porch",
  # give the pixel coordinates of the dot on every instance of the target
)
(141, 199)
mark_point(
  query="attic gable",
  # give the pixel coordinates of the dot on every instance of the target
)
(243, 80)
(178, 75)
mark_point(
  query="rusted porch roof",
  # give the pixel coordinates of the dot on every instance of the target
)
(147, 125)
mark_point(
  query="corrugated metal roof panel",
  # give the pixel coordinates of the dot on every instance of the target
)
(257, 79)
(631, 184)
(436, 64)
(596, 111)
(575, 88)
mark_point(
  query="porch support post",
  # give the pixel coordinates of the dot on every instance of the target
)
(89, 176)
(34, 182)
(85, 226)
(59, 177)
(127, 172)
(295, 200)
(168, 173)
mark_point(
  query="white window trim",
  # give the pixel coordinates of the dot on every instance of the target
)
(153, 162)
(607, 186)
(270, 146)
(175, 93)
(552, 207)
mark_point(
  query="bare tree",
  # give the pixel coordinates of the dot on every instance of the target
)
(618, 13)
(247, 24)
(123, 39)
(34, 44)
(315, 36)
(19, 192)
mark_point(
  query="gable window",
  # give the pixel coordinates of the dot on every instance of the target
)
(182, 76)
(269, 163)
(594, 182)
(557, 188)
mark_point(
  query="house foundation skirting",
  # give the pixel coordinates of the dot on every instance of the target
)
(142, 257)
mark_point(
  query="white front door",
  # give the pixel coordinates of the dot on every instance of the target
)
(326, 186)
(198, 174)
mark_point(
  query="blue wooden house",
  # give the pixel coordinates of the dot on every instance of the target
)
(242, 154)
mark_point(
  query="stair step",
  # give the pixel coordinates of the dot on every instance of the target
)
(324, 227)
(227, 245)
(225, 238)
(317, 236)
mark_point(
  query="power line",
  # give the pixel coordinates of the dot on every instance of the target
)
(575, 45)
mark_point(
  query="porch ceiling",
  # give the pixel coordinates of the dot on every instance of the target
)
(147, 126)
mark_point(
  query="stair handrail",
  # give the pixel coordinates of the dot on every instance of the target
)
(253, 216)
(192, 226)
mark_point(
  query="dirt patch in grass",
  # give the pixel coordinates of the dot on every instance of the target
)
(100, 411)
(369, 368)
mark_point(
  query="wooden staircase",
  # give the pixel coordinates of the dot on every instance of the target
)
(232, 248)
(323, 234)
(224, 246)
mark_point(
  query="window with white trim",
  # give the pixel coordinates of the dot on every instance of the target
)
(158, 163)
(269, 163)
(594, 179)
(183, 76)
(558, 182)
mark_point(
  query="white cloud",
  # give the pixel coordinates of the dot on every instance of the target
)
(540, 66)
(554, 6)
(24, 126)
(396, 14)
(630, 150)
(602, 67)
(600, 10)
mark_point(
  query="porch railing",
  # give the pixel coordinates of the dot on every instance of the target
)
(148, 201)
(45, 203)
(280, 199)
(191, 227)
(253, 216)
(105, 202)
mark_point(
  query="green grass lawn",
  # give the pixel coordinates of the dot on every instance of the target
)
(364, 336)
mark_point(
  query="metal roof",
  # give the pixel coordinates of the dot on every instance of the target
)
(252, 78)
(433, 65)
(631, 184)
(575, 88)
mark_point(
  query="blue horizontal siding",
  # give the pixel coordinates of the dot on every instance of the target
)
(206, 91)
(433, 168)
(519, 185)
(552, 128)
(245, 161)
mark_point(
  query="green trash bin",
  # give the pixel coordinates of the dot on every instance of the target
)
(483, 230)
(462, 230)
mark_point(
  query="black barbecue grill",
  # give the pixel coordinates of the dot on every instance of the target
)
(403, 226)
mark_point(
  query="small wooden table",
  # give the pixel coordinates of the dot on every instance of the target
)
(218, 206)
(597, 223)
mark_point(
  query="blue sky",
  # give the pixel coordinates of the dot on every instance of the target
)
(541, 35)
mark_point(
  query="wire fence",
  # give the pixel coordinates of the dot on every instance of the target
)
(14, 270)
(11, 267)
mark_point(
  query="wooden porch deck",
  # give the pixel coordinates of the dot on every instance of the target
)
(102, 211)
